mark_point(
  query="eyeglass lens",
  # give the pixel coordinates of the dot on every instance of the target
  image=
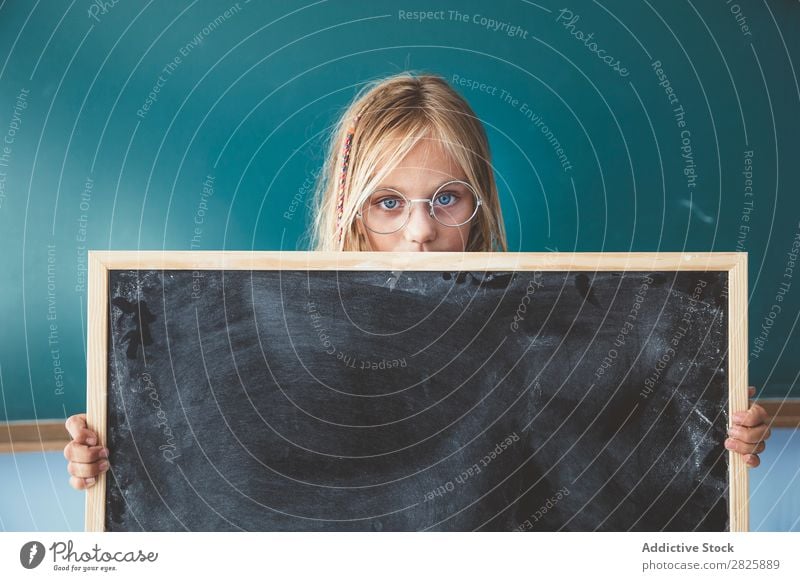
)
(387, 210)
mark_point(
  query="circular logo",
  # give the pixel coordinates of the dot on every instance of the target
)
(31, 554)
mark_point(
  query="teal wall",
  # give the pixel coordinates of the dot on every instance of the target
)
(247, 105)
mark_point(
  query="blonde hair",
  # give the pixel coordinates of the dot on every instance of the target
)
(384, 122)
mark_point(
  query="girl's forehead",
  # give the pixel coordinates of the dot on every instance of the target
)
(427, 162)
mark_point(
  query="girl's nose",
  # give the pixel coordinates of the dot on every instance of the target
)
(421, 227)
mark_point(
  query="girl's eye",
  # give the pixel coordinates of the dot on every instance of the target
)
(388, 203)
(446, 199)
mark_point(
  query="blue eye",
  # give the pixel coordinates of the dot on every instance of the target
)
(388, 203)
(446, 199)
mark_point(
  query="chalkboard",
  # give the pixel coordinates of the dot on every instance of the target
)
(496, 392)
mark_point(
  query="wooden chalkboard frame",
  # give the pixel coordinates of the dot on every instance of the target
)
(101, 262)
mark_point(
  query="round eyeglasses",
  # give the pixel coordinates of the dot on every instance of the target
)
(387, 210)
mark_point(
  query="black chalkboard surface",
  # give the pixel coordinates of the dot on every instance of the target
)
(406, 400)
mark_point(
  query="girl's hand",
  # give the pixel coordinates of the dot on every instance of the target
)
(86, 458)
(749, 432)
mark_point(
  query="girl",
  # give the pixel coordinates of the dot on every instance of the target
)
(416, 149)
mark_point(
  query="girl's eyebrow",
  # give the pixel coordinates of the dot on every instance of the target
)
(433, 189)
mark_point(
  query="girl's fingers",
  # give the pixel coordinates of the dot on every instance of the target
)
(86, 458)
(76, 426)
(75, 452)
(81, 483)
(750, 435)
(83, 470)
(755, 416)
(743, 447)
(752, 460)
